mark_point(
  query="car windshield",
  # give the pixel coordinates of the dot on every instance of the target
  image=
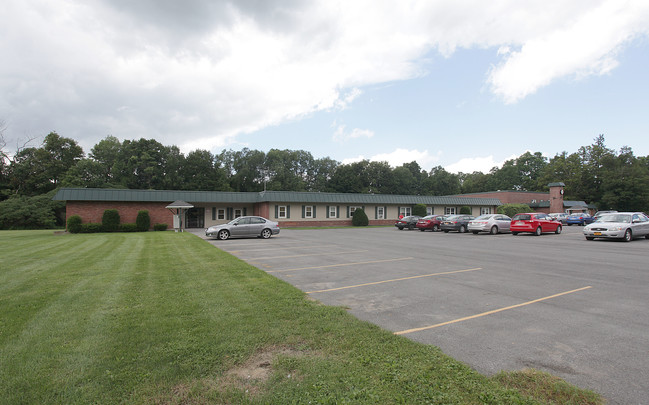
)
(614, 218)
(483, 217)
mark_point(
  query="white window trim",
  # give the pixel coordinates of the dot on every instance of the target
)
(406, 211)
(220, 214)
(485, 210)
(333, 211)
(308, 211)
(380, 212)
(449, 210)
(429, 210)
(281, 214)
(238, 212)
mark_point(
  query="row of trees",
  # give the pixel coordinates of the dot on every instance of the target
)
(595, 173)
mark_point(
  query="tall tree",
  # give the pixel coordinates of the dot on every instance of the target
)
(442, 182)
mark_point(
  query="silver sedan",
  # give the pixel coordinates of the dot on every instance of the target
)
(492, 223)
(620, 225)
(244, 227)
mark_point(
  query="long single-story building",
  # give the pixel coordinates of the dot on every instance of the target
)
(290, 209)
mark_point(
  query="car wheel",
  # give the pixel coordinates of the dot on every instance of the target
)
(589, 238)
(436, 228)
(462, 229)
(537, 232)
(569, 224)
(445, 231)
(514, 233)
(558, 230)
(628, 235)
(401, 228)
(223, 234)
(494, 230)
(475, 232)
(266, 233)
(422, 229)
(411, 227)
(646, 236)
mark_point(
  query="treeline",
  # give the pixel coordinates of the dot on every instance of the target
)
(595, 173)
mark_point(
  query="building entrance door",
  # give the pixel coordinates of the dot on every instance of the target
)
(195, 217)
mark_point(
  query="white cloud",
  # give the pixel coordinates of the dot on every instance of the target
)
(340, 135)
(400, 156)
(201, 73)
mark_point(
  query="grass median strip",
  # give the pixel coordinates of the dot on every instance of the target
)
(466, 318)
(166, 318)
(394, 280)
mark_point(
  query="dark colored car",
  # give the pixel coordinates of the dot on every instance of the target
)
(409, 222)
(534, 222)
(457, 223)
(579, 218)
(432, 222)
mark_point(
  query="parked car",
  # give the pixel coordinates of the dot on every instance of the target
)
(244, 227)
(600, 213)
(431, 222)
(534, 222)
(580, 218)
(409, 222)
(457, 223)
(492, 223)
(559, 216)
(619, 225)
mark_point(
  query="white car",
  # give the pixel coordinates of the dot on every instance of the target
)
(619, 225)
(492, 223)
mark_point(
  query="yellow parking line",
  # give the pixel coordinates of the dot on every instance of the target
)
(342, 264)
(310, 254)
(403, 332)
(394, 280)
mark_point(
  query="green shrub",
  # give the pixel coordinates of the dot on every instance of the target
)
(360, 218)
(160, 227)
(513, 209)
(110, 220)
(128, 228)
(91, 228)
(74, 224)
(465, 210)
(143, 221)
(419, 209)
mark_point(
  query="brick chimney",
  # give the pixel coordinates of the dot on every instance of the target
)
(556, 197)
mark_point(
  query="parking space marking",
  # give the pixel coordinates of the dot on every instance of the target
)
(394, 280)
(280, 248)
(342, 265)
(305, 255)
(403, 332)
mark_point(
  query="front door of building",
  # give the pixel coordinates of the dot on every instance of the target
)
(195, 217)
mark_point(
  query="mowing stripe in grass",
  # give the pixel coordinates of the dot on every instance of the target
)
(393, 280)
(342, 265)
(403, 332)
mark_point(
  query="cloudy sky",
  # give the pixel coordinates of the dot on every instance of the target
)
(463, 84)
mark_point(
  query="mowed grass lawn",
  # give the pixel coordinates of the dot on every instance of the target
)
(166, 318)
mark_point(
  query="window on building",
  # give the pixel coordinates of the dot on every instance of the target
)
(220, 213)
(380, 212)
(485, 210)
(353, 208)
(308, 211)
(333, 211)
(429, 210)
(281, 211)
(238, 212)
(405, 211)
(449, 211)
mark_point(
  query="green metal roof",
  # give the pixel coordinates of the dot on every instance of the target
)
(108, 194)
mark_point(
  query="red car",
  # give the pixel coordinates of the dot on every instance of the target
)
(431, 222)
(534, 222)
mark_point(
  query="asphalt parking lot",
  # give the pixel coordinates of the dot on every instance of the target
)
(575, 308)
